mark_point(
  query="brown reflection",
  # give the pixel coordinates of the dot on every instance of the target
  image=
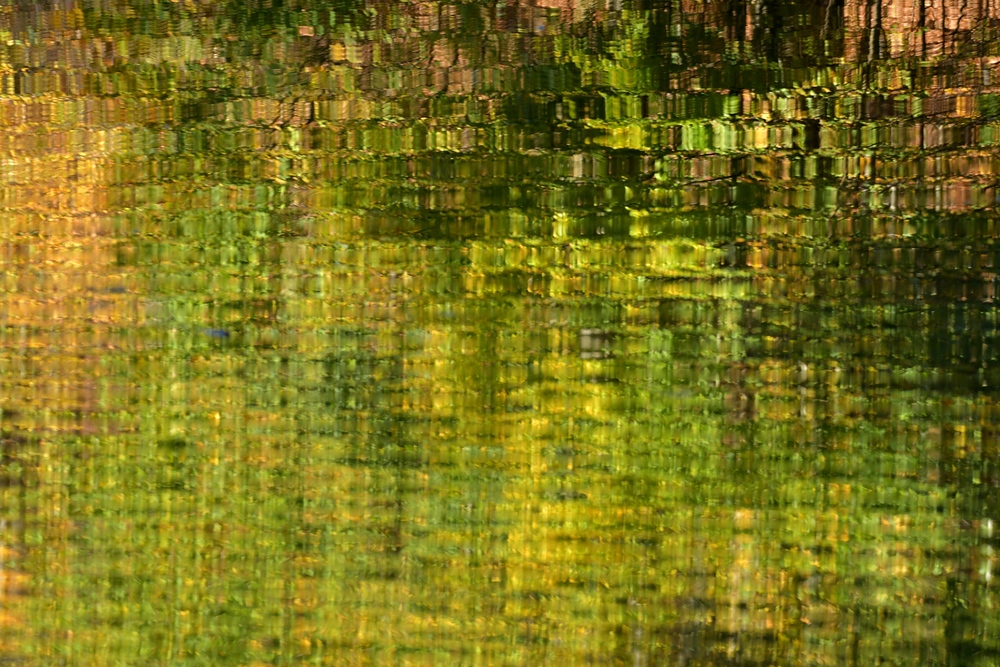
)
(916, 27)
(64, 298)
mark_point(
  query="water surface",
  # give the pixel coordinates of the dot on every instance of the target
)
(499, 333)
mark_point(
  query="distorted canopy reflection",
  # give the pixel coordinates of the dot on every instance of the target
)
(523, 332)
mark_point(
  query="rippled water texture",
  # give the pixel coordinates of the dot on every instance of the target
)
(507, 332)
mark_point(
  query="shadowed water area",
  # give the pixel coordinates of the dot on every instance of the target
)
(504, 332)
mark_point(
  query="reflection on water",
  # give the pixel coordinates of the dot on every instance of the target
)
(588, 331)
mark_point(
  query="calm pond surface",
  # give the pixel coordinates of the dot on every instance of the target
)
(502, 332)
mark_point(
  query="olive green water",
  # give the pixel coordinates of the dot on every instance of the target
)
(569, 332)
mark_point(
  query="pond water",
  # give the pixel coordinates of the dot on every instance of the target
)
(506, 332)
